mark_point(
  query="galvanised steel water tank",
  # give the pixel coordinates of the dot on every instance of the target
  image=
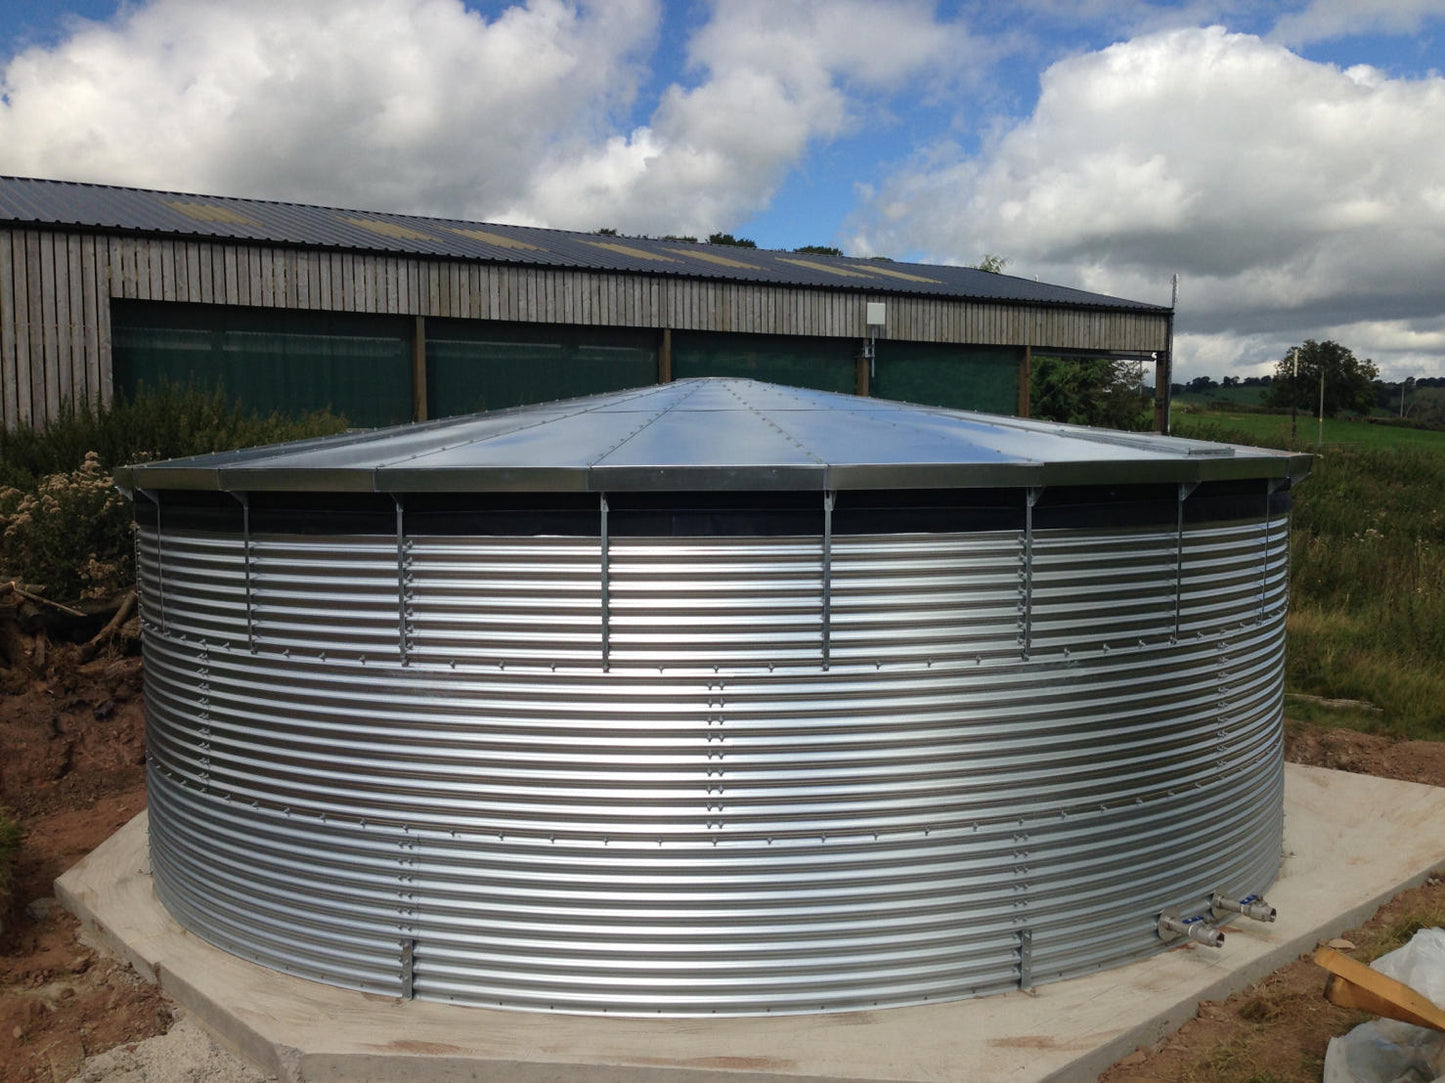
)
(711, 697)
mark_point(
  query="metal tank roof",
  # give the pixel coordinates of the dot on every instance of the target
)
(715, 433)
(26, 201)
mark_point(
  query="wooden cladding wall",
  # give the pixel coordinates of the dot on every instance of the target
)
(56, 286)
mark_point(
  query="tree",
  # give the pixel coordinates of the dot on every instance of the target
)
(728, 238)
(1349, 382)
(818, 250)
(994, 265)
(1088, 391)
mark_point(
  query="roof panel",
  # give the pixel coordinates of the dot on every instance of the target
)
(716, 432)
(35, 202)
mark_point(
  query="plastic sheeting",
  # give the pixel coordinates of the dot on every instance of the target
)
(1387, 1051)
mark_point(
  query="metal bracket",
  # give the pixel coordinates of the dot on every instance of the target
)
(160, 562)
(1186, 489)
(828, 500)
(606, 600)
(1026, 588)
(408, 969)
(1026, 959)
(245, 503)
(401, 584)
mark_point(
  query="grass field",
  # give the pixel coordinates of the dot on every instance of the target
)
(1367, 569)
(1273, 430)
(1249, 396)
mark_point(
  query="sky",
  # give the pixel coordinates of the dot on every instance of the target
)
(1285, 160)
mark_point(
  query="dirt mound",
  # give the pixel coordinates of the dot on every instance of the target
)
(1366, 753)
(72, 770)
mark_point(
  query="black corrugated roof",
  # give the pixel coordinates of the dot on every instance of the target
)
(28, 201)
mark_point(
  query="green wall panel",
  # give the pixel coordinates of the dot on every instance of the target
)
(474, 365)
(271, 361)
(827, 364)
(984, 378)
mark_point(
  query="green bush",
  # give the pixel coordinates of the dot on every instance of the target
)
(162, 424)
(63, 524)
(70, 534)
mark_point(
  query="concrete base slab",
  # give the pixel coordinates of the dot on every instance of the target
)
(1351, 842)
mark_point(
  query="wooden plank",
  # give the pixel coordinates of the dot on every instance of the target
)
(75, 288)
(166, 256)
(305, 272)
(90, 301)
(265, 294)
(104, 279)
(253, 274)
(19, 262)
(55, 392)
(1371, 986)
(59, 328)
(130, 268)
(9, 392)
(347, 300)
(205, 288)
(156, 261)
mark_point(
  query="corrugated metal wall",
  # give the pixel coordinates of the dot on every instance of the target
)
(55, 289)
(984, 790)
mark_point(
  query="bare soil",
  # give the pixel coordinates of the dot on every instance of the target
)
(72, 771)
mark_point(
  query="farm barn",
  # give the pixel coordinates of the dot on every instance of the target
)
(389, 318)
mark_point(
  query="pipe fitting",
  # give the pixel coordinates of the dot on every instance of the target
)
(1173, 927)
(1251, 906)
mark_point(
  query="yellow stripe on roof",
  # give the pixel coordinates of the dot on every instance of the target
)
(493, 238)
(842, 272)
(210, 212)
(635, 253)
(903, 275)
(391, 229)
(722, 261)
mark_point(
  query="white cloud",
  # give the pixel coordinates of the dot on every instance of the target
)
(1291, 195)
(425, 106)
(1322, 20)
(775, 79)
(396, 104)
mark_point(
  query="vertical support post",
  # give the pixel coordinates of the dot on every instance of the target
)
(1026, 622)
(408, 968)
(1026, 374)
(1163, 374)
(1185, 488)
(828, 499)
(418, 371)
(606, 611)
(1026, 959)
(245, 503)
(664, 357)
(860, 374)
(401, 584)
(160, 562)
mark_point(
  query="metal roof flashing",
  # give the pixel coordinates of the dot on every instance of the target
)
(714, 433)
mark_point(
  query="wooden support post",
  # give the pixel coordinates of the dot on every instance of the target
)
(664, 357)
(860, 374)
(418, 371)
(1163, 374)
(1026, 374)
